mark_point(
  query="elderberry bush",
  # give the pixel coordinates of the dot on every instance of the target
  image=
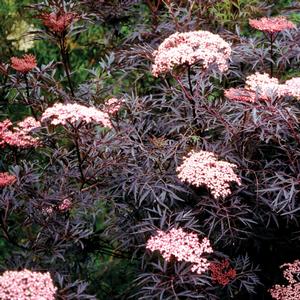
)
(164, 165)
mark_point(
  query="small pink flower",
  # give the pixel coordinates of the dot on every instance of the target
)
(272, 25)
(65, 205)
(24, 64)
(47, 210)
(58, 22)
(184, 246)
(26, 285)
(7, 179)
(204, 169)
(188, 48)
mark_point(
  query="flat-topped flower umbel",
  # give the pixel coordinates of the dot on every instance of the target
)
(241, 95)
(18, 136)
(188, 48)
(292, 290)
(263, 84)
(26, 285)
(182, 245)
(29, 124)
(6, 179)
(23, 64)
(291, 88)
(73, 113)
(262, 87)
(272, 25)
(113, 105)
(204, 169)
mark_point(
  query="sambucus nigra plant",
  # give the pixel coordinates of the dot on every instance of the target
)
(178, 156)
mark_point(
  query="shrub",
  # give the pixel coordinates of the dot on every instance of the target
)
(117, 184)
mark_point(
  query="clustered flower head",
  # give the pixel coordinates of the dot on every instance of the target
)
(221, 272)
(65, 205)
(189, 48)
(75, 114)
(204, 169)
(241, 94)
(29, 124)
(263, 84)
(47, 210)
(184, 246)
(24, 64)
(16, 136)
(26, 285)
(291, 88)
(262, 87)
(292, 290)
(272, 25)
(113, 105)
(58, 22)
(6, 179)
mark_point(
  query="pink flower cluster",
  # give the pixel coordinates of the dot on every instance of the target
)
(241, 94)
(58, 22)
(266, 86)
(190, 48)
(291, 88)
(6, 179)
(272, 25)
(24, 64)
(75, 114)
(184, 246)
(29, 124)
(262, 87)
(16, 136)
(26, 285)
(263, 84)
(113, 105)
(292, 290)
(204, 169)
(47, 210)
(65, 205)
